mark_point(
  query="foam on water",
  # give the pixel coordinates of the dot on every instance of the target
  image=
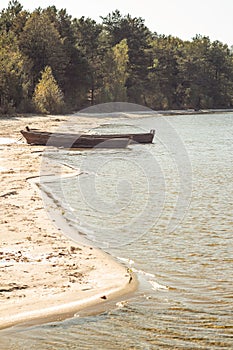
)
(157, 286)
(128, 261)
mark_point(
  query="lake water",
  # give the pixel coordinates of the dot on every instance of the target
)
(166, 211)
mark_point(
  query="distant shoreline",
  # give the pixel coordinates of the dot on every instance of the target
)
(84, 112)
(193, 111)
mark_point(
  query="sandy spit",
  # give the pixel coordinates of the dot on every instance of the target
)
(43, 274)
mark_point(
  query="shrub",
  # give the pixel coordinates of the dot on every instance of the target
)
(48, 97)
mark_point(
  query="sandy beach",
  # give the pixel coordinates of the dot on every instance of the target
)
(44, 275)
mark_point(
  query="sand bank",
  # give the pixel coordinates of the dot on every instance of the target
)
(43, 274)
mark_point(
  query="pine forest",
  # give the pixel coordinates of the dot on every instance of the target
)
(53, 63)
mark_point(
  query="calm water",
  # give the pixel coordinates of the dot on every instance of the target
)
(165, 210)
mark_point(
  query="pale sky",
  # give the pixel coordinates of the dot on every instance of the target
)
(181, 18)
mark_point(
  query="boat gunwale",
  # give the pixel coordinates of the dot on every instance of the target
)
(83, 135)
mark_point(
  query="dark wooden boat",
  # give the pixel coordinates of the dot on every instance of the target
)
(72, 141)
(37, 137)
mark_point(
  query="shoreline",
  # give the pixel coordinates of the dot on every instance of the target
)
(44, 275)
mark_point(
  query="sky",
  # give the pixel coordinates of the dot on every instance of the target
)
(181, 18)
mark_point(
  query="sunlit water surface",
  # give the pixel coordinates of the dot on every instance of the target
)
(165, 210)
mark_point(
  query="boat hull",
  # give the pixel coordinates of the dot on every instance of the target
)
(74, 141)
(36, 137)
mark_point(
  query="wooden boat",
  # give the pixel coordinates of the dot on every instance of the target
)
(72, 141)
(37, 137)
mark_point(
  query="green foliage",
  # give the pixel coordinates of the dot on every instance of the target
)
(41, 43)
(74, 82)
(137, 34)
(117, 60)
(91, 42)
(115, 74)
(11, 72)
(48, 97)
(9, 16)
(196, 74)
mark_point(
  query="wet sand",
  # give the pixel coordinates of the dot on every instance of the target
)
(43, 274)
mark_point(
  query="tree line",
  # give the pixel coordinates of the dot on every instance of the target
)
(53, 63)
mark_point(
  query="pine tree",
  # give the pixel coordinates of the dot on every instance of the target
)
(48, 97)
(11, 74)
(115, 74)
(41, 43)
